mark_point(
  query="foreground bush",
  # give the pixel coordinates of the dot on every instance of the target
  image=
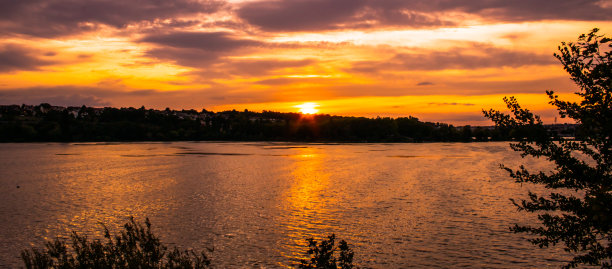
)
(138, 247)
(135, 247)
(322, 255)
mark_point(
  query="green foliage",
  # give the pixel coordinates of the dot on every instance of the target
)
(135, 247)
(578, 209)
(322, 255)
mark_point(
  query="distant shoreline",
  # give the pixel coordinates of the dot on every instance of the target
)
(47, 123)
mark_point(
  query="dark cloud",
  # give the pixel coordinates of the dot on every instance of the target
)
(195, 49)
(516, 36)
(53, 18)
(479, 87)
(535, 10)
(485, 57)
(50, 18)
(307, 15)
(106, 94)
(450, 104)
(472, 57)
(260, 67)
(312, 15)
(205, 41)
(228, 68)
(60, 95)
(184, 57)
(120, 96)
(177, 23)
(425, 83)
(206, 52)
(15, 58)
(299, 14)
(292, 80)
(445, 86)
(101, 94)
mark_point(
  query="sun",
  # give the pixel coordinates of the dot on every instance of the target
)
(308, 108)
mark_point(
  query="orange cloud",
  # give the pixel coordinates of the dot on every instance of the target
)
(439, 60)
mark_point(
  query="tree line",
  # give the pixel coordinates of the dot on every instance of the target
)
(44, 122)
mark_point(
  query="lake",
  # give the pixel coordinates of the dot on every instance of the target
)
(397, 205)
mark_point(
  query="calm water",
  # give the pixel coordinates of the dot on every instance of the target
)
(397, 205)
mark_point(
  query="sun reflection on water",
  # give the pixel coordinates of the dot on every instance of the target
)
(307, 200)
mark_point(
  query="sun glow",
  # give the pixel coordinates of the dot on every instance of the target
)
(308, 108)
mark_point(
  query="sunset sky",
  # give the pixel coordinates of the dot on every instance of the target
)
(438, 60)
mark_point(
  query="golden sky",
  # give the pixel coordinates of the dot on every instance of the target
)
(438, 60)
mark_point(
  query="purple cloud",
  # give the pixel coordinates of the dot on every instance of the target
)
(313, 15)
(425, 83)
(195, 49)
(307, 15)
(206, 41)
(15, 58)
(51, 18)
(472, 57)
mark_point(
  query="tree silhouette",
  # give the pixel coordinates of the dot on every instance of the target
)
(577, 209)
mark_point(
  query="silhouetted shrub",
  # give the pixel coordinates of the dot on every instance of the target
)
(135, 247)
(322, 255)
